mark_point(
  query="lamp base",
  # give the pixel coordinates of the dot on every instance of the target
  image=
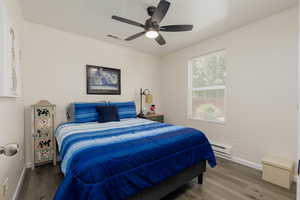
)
(141, 115)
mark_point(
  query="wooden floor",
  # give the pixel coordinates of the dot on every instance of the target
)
(228, 181)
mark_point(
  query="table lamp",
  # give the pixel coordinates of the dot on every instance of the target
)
(148, 100)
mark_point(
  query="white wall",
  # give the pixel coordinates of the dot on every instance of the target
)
(12, 119)
(261, 95)
(55, 70)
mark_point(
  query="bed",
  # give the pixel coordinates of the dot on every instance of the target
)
(130, 159)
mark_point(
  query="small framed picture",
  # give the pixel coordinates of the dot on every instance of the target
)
(103, 80)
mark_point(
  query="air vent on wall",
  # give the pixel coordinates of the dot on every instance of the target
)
(222, 150)
(114, 37)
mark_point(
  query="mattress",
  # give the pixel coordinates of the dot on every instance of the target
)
(116, 160)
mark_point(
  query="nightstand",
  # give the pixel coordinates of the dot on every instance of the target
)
(154, 117)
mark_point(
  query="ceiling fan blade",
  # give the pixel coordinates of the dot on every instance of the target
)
(128, 21)
(160, 40)
(160, 11)
(177, 28)
(135, 36)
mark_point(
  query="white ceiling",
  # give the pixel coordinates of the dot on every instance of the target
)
(92, 18)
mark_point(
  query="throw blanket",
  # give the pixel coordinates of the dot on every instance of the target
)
(112, 161)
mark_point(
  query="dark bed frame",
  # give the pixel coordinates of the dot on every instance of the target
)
(171, 184)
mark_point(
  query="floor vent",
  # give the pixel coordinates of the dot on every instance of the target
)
(221, 150)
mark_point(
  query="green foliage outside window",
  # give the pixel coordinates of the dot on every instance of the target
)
(208, 75)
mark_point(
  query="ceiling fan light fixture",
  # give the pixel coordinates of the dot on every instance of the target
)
(152, 28)
(152, 34)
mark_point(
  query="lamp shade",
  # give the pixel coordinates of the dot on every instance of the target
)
(149, 99)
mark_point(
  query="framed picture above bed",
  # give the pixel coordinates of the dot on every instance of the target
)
(103, 80)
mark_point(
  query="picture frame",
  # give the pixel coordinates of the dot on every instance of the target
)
(103, 80)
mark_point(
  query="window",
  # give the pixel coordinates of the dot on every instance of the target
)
(206, 97)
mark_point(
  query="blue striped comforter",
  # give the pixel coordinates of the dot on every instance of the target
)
(118, 159)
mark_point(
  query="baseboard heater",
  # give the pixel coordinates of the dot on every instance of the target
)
(222, 150)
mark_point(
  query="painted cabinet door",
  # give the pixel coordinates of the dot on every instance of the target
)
(43, 141)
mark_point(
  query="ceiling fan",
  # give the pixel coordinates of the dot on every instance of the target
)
(152, 25)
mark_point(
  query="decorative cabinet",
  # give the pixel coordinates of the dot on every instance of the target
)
(43, 141)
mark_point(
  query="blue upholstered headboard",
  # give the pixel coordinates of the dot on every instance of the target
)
(87, 112)
(84, 112)
(125, 109)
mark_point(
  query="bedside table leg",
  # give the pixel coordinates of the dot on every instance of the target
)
(200, 179)
(54, 161)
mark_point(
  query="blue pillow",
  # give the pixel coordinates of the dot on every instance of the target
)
(125, 109)
(108, 114)
(85, 112)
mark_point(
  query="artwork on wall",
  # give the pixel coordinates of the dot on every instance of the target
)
(10, 59)
(103, 80)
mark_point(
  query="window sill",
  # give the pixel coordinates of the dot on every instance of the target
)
(208, 121)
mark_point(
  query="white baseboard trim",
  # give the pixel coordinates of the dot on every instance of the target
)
(247, 163)
(251, 164)
(20, 183)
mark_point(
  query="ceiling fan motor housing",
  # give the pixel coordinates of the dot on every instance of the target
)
(150, 25)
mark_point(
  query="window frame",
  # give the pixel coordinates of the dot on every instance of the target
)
(191, 89)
